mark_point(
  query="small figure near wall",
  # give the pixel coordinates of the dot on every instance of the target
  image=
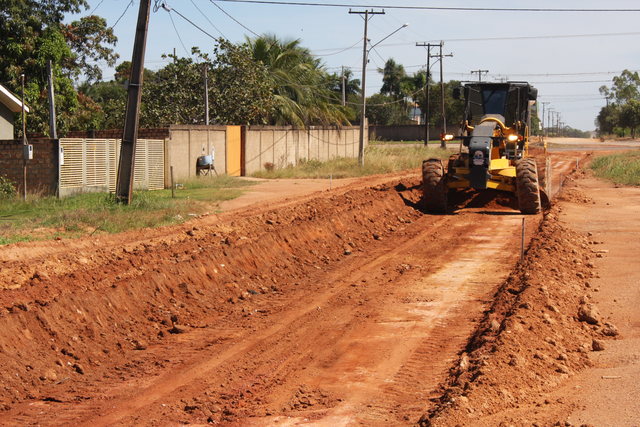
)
(204, 165)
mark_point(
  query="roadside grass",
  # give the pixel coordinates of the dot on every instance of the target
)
(379, 158)
(42, 218)
(621, 168)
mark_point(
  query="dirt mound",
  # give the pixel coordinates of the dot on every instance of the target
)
(537, 333)
(83, 318)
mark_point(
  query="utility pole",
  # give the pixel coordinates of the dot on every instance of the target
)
(53, 131)
(440, 57)
(24, 144)
(344, 88)
(426, 90)
(544, 107)
(480, 73)
(124, 182)
(365, 61)
(206, 93)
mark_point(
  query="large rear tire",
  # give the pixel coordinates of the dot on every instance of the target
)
(434, 186)
(527, 186)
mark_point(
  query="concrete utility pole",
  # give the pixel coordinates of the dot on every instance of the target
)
(344, 88)
(206, 94)
(124, 182)
(480, 73)
(365, 61)
(53, 131)
(426, 90)
(443, 143)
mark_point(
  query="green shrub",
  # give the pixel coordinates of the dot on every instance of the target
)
(7, 189)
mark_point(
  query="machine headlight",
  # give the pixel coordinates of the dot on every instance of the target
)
(512, 138)
(447, 137)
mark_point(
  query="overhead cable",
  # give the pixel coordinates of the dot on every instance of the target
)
(444, 8)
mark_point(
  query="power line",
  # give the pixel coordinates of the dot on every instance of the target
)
(339, 51)
(506, 38)
(234, 19)
(169, 9)
(123, 13)
(177, 33)
(207, 18)
(445, 8)
(97, 6)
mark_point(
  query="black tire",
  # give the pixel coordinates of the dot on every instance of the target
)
(434, 186)
(528, 187)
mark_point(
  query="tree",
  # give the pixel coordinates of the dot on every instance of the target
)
(302, 88)
(626, 87)
(623, 110)
(385, 110)
(32, 33)
(630, 116)
(607, 119)
(393, 77)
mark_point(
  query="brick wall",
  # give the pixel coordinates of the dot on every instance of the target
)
(42, 171)
(151, 133)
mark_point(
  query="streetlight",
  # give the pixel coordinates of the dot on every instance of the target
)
(365, 61)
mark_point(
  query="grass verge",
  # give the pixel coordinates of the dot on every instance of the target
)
(379, 158)
(621, 168)
(42, 218)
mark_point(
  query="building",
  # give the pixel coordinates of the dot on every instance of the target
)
(9, 106)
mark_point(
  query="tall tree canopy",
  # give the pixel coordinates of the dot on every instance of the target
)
(302, 88)
(622, 113)
(32, 33)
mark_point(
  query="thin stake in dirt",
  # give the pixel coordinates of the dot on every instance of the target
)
(522, 243)
(173, 184)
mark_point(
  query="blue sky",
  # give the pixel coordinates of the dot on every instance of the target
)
(566, 70)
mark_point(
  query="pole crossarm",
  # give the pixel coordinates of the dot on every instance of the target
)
(480, 73)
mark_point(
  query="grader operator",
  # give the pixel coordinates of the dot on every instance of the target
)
(494, 149)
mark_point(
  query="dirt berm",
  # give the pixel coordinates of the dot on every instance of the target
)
(79, 316)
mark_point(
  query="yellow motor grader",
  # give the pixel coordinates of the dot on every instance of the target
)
(494, 149)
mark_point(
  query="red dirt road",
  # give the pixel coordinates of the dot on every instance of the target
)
(346, 307)
(343, 307)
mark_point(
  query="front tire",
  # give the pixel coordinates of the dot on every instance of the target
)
(434, 186)
(528, 186)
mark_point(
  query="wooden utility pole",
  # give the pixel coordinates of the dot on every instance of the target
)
(480, 73)
(24, 144)
(124, 182)
(544, 107)
(426, 90)
(365, 61)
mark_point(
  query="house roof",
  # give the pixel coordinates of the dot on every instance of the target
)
(11, 101)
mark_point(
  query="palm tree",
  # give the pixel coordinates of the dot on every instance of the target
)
(302, 89)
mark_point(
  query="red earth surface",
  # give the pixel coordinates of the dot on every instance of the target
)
(344, 306)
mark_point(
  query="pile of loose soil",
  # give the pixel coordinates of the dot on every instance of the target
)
(538, 332)
(79, 318)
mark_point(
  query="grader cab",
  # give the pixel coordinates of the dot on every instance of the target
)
(494, 149)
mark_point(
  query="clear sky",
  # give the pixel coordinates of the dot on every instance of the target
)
(529, 46)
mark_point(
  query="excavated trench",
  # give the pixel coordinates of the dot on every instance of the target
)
(347, 307)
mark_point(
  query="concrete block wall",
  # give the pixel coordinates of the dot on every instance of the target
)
(185, 144)
(42, 171)
(285, 146)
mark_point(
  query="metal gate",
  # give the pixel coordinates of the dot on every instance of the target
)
(90, 165)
